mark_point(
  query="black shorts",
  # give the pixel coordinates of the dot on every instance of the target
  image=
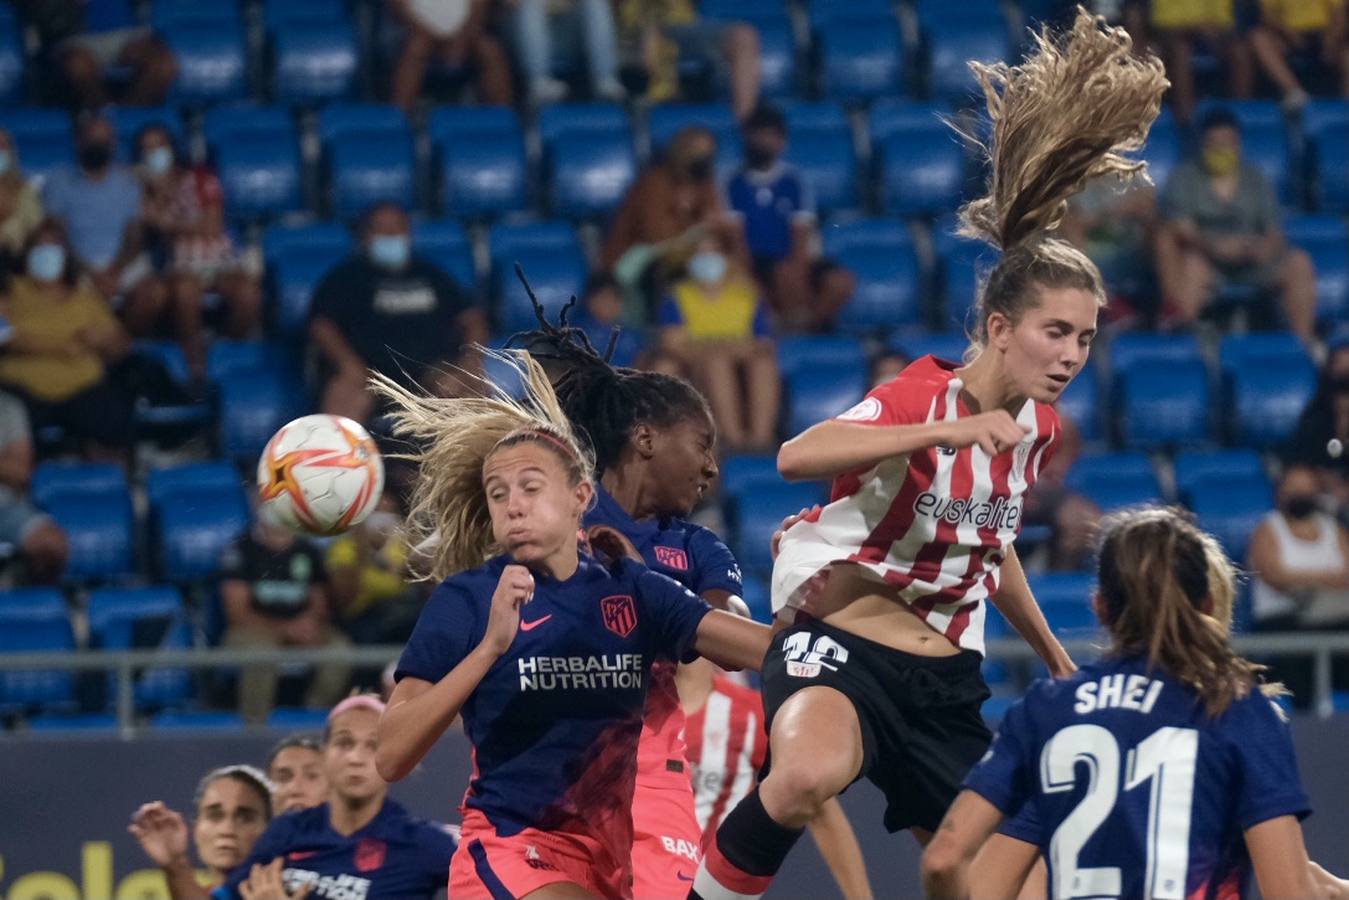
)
(921, 727)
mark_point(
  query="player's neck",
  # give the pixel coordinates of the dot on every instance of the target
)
(987, 387)
(349, 816)
(560, 565)
(624, 481)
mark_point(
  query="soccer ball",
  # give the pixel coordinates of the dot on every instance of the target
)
(320, 475)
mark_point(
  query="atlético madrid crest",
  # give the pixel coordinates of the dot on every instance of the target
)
(370, 854)
(620, 614)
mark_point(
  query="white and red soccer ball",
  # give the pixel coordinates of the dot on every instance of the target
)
(320, 474)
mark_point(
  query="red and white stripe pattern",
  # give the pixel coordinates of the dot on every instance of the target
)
(727, 744)
(936, 523)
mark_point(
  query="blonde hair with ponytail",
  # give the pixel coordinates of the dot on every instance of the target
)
(448, 519)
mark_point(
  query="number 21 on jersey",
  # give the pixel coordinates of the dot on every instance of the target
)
(1164, 762)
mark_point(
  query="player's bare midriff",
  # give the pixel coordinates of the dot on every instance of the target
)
(852, 600)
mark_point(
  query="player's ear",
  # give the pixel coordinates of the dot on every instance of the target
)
(643, 439)
(999, 330)
(584, 492)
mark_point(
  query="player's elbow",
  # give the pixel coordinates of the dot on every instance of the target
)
(942, 864)
(793, 461)
(390, 765)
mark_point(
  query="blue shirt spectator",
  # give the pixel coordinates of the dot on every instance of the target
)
(771, 200)
(99, 200)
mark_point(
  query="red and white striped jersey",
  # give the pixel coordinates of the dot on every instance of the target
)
(935, 523)
(726, 744)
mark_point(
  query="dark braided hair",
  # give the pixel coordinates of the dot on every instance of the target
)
(603, 401)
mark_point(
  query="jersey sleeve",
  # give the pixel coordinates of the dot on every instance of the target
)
(1024, 826)
(271, 845)
(714, 565)
(670, 313)
(1267, 764)
(895, 402)
(1001, 777)
(446, 631)
(673, 612)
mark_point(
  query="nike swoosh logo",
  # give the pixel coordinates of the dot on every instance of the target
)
(682, 877)
(301, 854)
(530, 626)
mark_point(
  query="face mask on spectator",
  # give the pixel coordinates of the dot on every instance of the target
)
(1339, 384)
(1221, 161)
(382, 523)
(759, 156)
(158, 161)
(708, 266)
(699, 169)
(1299, 506)
(6, 161)
(96, 155)
(46, 262)
(390, 250)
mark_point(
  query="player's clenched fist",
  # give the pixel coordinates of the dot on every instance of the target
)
(993, 431)
(514, 589)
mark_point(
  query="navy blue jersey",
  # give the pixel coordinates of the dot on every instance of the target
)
(555, 721)
(1130, 789)
(690, 554)
(395, 857)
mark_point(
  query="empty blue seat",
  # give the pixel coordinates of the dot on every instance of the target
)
(964, 263)
(1266, 146)
(821, 392)
(242, 121)
(876, 233)
(797, 353)
(41, 156)
(1065, 598)
(365, 169)
(129, 120)
(79, 722)
(1161, 349)
(1195, 467)
(446, 244)
(226, 357)
(25, 123)
(581, 118)
(1313, 227)
(1114, 480)
(453, 123)
(1162, 406)
(815, 115)
(34, 620)
(1332, 160)
(777, 56)
(1324, 112)
(260, 174)
(137, 618)
(507, 240)
(195, 527)
(211, 64)
(952, 43)
(11, 62)
(253, 405)
(484, 175)
(824, 12)
(589, 174)
(32, 605)
(1231, 509)
(1264, 403)
(293, 279)
(313, 61)
(291, 718)
(892, 115)
(924, 171)
(1080, 403)
(861, 60)
(888, 291)
(338, 120)
(948, 345)
(740, 471)
(197, 720)
(281, 13)
(161, 484)
(1331, 260)
(330, 238)
(827, 164)
(99, 531)
(759, 514)
(555, 275)
(1275, 348)
(79, 479)
(170, 13)
(759, 598)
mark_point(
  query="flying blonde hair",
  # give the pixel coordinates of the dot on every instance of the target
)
(448, 520)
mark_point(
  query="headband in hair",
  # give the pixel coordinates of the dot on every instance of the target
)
(540, 433)
(359, 701)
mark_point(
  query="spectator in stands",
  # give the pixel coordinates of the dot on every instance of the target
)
(1115, 224)
(64, 341)
(778, 208)
(295, 769)
(387, 309)
(664, 213)
(275, 594)
(184, 218)
(655, 35)
(1299, 557)
(1321, 439)
(535, 24)
(1223, 230)
(1180, 25)
(33, 534)
(886, 367)
(1314, 32)
(88, 41)
(1072, 518)
(100, 202)
(369, 578)
(20, 208)
(715, 332)
(454, 31)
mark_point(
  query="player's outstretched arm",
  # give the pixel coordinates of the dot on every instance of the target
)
(835, 446)
(837, 843)
(1279, 858)
(732, 642)
(1017, 605)
(969, 823)
(419, 711)
(163, 836)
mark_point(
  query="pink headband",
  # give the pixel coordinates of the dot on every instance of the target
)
(359, 701)
(540, 433)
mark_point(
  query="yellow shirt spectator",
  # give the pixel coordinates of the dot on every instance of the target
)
(1182, 15)
(68, 365)
(733, 313)
(1300, 15)
(381, 574)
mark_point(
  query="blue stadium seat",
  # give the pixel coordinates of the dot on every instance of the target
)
(1266, 146)
(963, 264)
(449, 123)
(589, 174)
(923, 170)
(1264, 403)
(1065, 598)
(313, 61)
(54, 479)
(281, 13)
(153, 617)
(1114, 480)
(368, 168)
(168, 354)
(330, 238)
(508, 240)
(76, 722)
(861, 60)
(797, 353)
(827, 164)
(484, 175)
(1202, 467)
(129, 120)
(338, 120)
(759, 514)
(170, 13)
(1313, 227)
(34, 620)
(948, 345)
(1135, 346)
(293, 279)
(242, 121)
(805, 116)
(1164, 149)
(1249, 113)
(253, 405)
(197, 720)
(211, 63)
(292, 718)
(42, 156)
(100, 531)
(1163, 406)
(872, 12)
(1231, 509)
(1275, 349)
(1324, 112)
(226, 357)
(892, 115)
(740, 471)
(583, 118)
(161, 484)
(44, 139)
(874, 233)
(822, 392)
(555, 275)
(777, 57)
(759, 598)
(1332, 160)
(445, 243)
(1331, 260)
(260, 174)
(951, 44)
(888, 293)
(195, 527)
(11, 62)
(32, 605)
(666, 120)
(1080, 403)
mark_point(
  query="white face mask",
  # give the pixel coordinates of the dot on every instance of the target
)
(382, 522)
(158, 161)
(708, 267)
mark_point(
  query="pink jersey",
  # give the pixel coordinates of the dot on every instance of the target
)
(935, 523)
(727, 745)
